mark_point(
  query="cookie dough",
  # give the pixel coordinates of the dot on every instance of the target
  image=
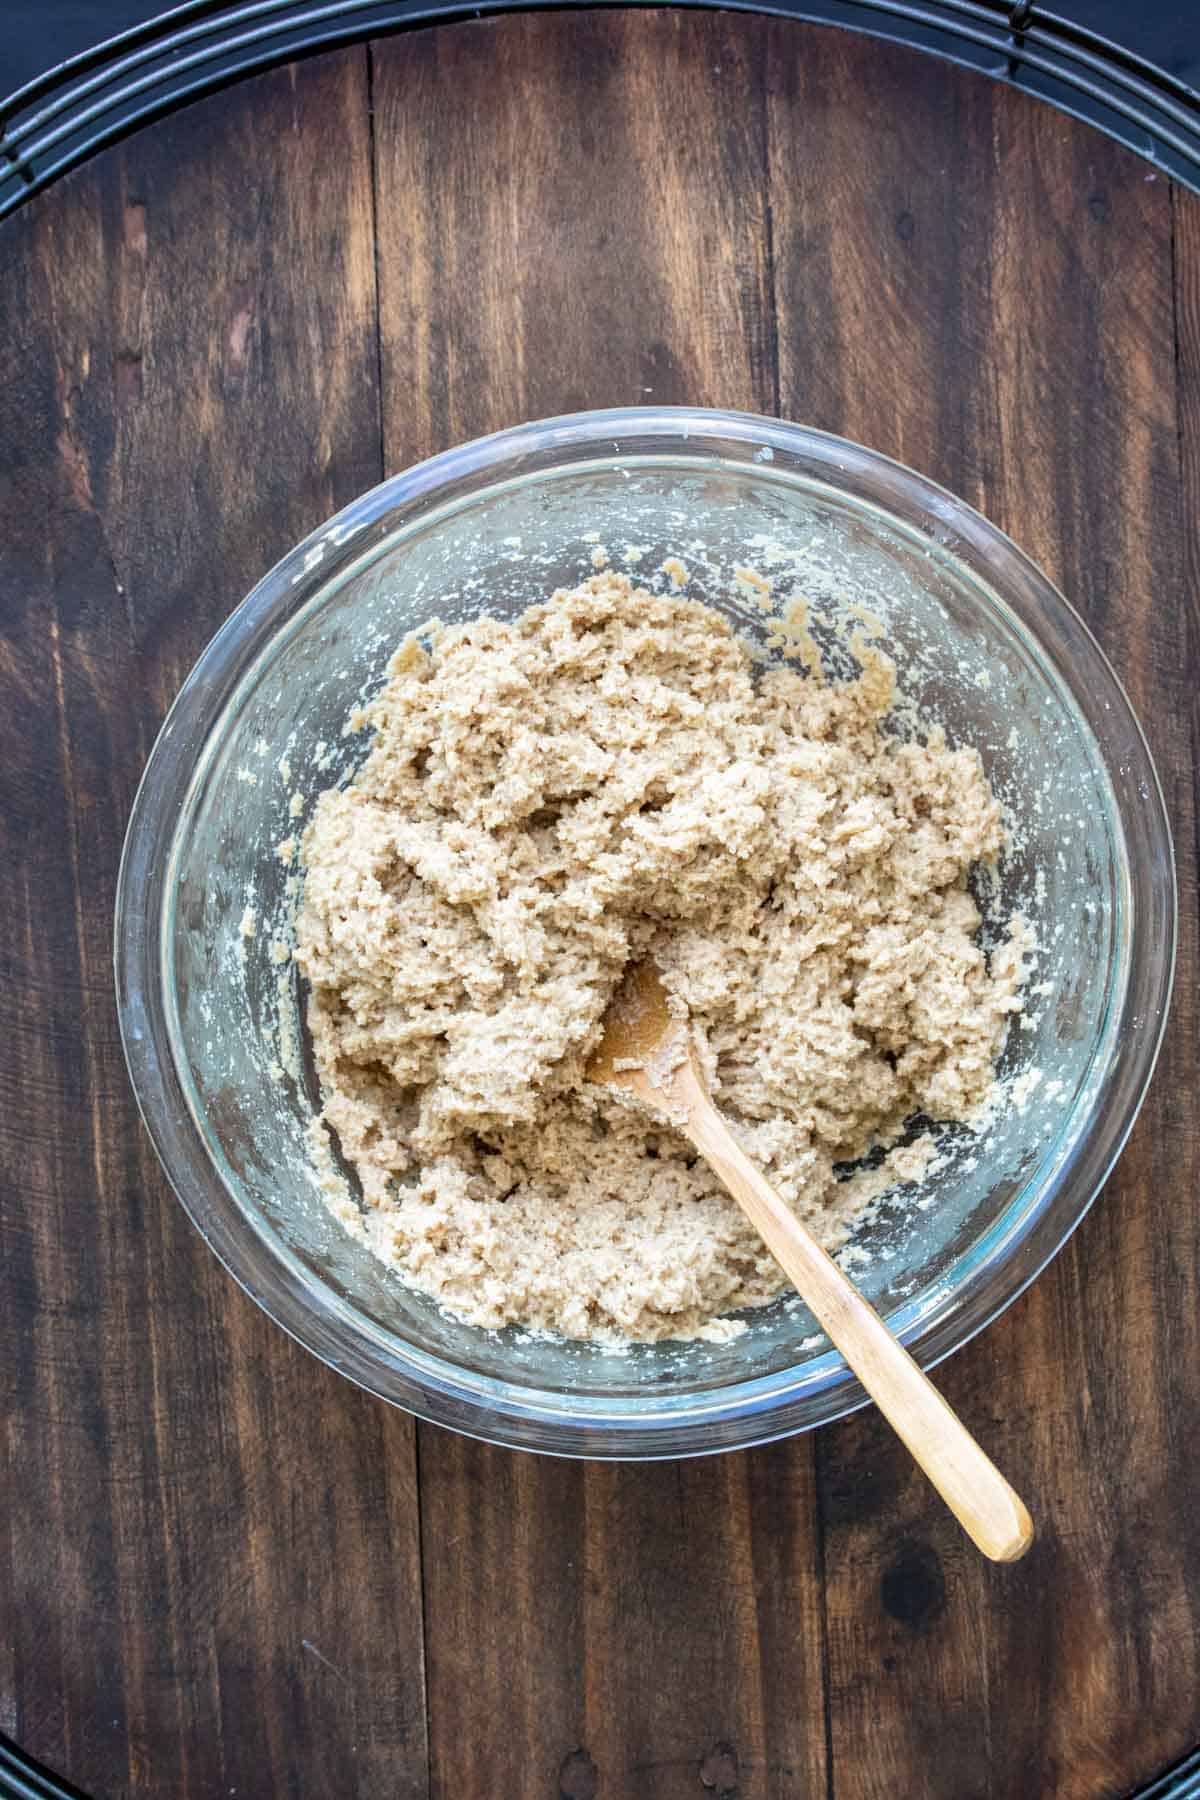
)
(607, 777)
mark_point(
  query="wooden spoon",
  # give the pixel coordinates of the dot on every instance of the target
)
(648, 1050)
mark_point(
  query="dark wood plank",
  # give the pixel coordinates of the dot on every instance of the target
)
(209, 1579)
(593, 232)
(983, 288)
(571, 215)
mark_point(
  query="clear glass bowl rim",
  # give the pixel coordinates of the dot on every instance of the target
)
(759, 1409)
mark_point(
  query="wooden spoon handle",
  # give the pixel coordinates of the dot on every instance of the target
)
(968, 1481)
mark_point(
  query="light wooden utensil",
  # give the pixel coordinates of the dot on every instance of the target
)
(648, 1050)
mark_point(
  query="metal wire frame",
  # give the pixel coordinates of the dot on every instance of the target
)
(64, 116)
(23, 1779)
(1179, 1783)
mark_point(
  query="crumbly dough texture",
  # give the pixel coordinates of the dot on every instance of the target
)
(606, 777)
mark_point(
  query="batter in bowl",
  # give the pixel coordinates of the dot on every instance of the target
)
(611, 776)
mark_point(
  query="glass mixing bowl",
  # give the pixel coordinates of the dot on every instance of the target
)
(212, 1017)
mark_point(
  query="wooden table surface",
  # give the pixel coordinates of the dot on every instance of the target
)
(223, 1570)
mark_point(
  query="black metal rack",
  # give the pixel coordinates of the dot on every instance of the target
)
(64, 116)
(23, 1779)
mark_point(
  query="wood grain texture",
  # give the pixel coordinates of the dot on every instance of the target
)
(987, 294)
(572, 214)
(209, 1580)
(211, 1549)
